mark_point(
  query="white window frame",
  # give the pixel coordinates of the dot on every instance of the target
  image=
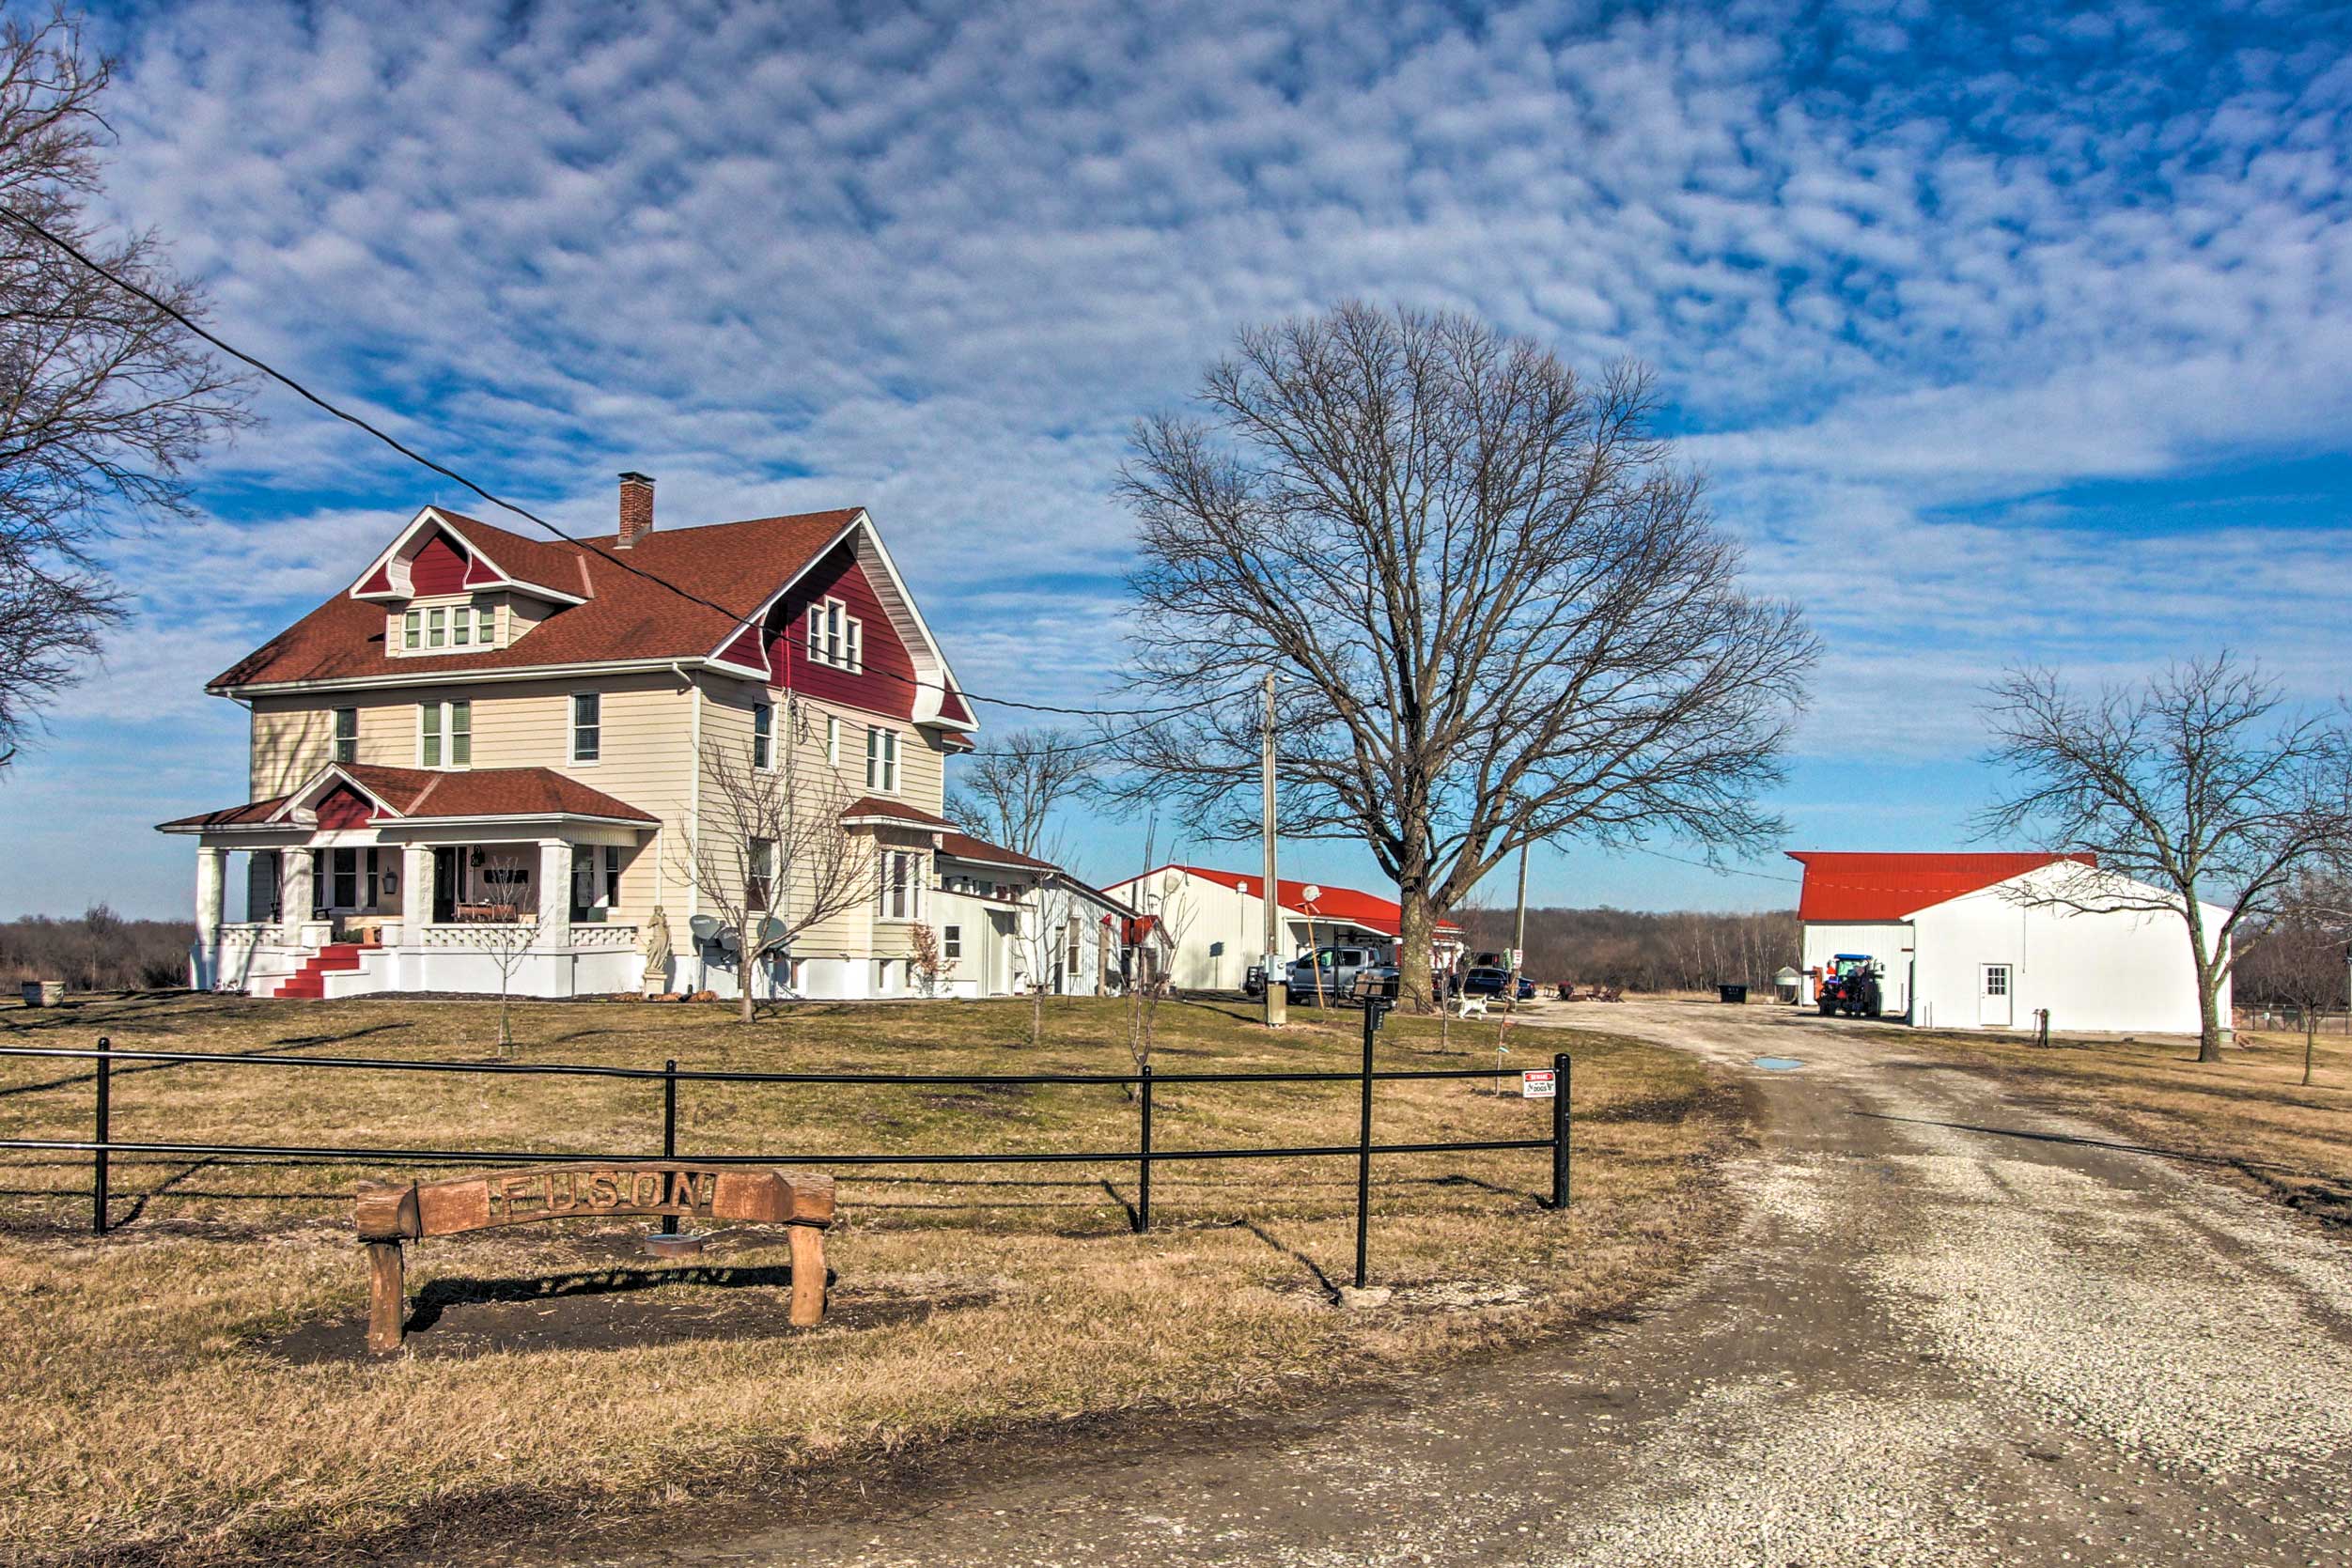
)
(335, 737)
(901, 873)
(436, 722)
(572, 727)
(486, 625)
(832, 739)
(951, 943)
(836, 639)
(458, 620)
(881, 760)
(765, 880)
(412, 631)
(764, 736)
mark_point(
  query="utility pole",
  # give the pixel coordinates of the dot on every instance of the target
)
(1277, 986)
(1519, 936)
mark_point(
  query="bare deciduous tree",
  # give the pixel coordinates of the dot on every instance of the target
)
(1006, 791)
(2305, 948)
(1171, 906)
(105, 398)
(2200, 785)
(924, 956)
(502, 927)
(768, 853)
(1502, 613)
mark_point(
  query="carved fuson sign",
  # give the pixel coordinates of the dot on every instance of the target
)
(388, 1214)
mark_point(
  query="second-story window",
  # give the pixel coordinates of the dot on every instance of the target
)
(587, 726)
(413, 629)
(763, 737)
(437, 628)
(833, 741)
(347, 735)
(882, 760)
(486, 625)
(444, 733)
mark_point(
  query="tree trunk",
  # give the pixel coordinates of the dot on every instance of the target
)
(2209, 1014)
(506, 1034)
(2310, 1028)
(1415, 936)
(744, 1002)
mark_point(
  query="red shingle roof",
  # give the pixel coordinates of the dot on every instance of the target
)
(416, 792)
(963, 847)
(868, 806)
(1867, 887)
(737, 566)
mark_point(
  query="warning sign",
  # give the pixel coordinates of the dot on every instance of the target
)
(1539, 1083)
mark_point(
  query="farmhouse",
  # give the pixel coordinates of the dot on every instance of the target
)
(1214, 921)
(495, 749)
(1965, 944)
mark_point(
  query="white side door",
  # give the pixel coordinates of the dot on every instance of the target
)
(1993, 1009)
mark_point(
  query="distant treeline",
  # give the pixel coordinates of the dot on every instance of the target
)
(1638, 951)
(99, 952)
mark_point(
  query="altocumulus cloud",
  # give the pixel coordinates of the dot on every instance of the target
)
(1948, 306)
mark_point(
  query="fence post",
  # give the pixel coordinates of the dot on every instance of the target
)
(1364, 1142)
(669, 1128)
(1560, 1130)
(97, 1171)
(1143, 1178)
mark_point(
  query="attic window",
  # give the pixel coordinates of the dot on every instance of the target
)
(836, 637)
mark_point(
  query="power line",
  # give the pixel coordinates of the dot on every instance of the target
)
(1719, 870)
(452, 475)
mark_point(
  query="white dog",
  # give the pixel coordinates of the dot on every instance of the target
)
(1474, 1004)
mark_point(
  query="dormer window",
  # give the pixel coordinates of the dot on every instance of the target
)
(431, 628)
(836, 637)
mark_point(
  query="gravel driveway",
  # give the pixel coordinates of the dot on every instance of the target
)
(1948, 1333)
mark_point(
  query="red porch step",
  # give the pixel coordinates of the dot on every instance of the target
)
(310, 982)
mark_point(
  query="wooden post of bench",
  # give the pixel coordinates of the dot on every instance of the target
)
(808, 1274)
(387, 1296)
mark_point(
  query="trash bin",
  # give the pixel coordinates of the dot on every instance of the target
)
(1732, 993)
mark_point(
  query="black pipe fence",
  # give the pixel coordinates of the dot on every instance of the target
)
(101, 1145)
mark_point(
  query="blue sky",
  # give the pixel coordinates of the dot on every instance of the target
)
(2002, 336)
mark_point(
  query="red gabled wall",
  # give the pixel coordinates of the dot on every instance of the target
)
(343, 808)
(887, 683)
(439, 567)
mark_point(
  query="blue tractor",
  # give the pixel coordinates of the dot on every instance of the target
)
(1851, 986)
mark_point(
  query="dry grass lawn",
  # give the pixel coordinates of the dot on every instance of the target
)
(191, 1387)
(2248, 1115)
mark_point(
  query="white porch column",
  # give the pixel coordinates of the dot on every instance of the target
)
(204, 969)
(294, 899)
(554, 894)
(416, 893)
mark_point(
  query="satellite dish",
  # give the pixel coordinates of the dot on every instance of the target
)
(1309, 893)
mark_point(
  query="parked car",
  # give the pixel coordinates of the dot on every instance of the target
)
(1489, 980)
(1338, 966)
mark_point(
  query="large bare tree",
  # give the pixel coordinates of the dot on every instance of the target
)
(2197, 788)
(1500, 612)
(1008, 790)
(768, 851)
(105, 398)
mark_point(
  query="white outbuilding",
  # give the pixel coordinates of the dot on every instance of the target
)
(1969, 941)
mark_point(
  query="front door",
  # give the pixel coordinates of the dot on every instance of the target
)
(445, 885)
(1993, 999)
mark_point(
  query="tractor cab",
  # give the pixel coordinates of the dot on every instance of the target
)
(1850, 984)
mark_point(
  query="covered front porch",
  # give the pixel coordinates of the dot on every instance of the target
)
(337, 891)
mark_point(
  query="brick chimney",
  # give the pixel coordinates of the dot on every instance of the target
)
(636, 509)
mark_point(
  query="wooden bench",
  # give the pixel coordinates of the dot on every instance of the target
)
(390, 1212)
